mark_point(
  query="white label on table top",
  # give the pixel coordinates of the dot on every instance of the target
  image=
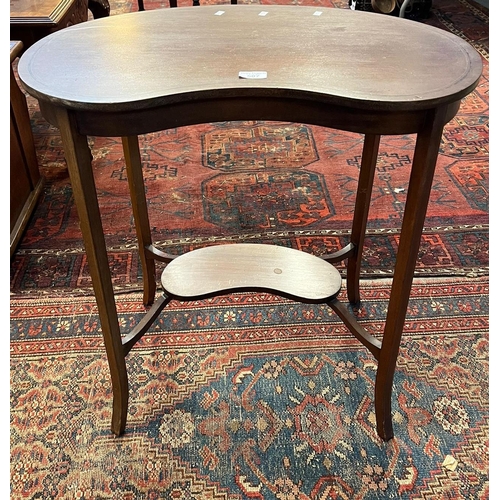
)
(263, 13)
(318, 13)
(252, 75)
(220, 12)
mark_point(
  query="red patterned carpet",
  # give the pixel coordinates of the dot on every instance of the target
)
(251, 395)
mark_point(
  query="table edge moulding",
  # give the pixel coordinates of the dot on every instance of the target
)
(349, 70)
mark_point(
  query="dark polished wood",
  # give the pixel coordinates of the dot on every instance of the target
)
(319, 69)
(31, 20)
(26, 183)
(99, 8)
(173, 3)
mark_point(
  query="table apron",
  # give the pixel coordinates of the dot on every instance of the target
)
(143, 121)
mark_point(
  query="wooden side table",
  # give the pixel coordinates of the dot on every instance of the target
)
(324, 66)
(25, 181)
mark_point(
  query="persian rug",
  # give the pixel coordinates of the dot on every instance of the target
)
(289, 184)
(252, 396)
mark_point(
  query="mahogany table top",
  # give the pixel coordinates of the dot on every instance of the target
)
(338, 56)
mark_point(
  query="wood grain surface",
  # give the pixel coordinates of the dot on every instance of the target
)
(219, 268)
(146, 59)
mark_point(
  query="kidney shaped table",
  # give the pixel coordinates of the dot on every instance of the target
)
(154, 70)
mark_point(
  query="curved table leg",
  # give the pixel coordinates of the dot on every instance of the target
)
(419, 189)
(79, 161)
(361, 209)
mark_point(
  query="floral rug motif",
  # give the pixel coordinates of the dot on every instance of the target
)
(252, 396)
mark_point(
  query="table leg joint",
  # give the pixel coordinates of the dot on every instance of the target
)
(157, 254)
(344, 253)
(129, 340)
(367, 339)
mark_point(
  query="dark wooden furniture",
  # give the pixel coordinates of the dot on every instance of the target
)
(173, 3)
(318, 70)
(99, 8)
(31, 20)
(26, 182)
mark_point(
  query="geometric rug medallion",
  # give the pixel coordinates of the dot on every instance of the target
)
(258, 146)
(263, 166)
(286, 200)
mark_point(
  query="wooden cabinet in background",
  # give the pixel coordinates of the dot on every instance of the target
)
(32, 20)
(25, 179)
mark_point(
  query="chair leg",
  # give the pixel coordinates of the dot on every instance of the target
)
(361, 209)
(99, 8)
(140, 4)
